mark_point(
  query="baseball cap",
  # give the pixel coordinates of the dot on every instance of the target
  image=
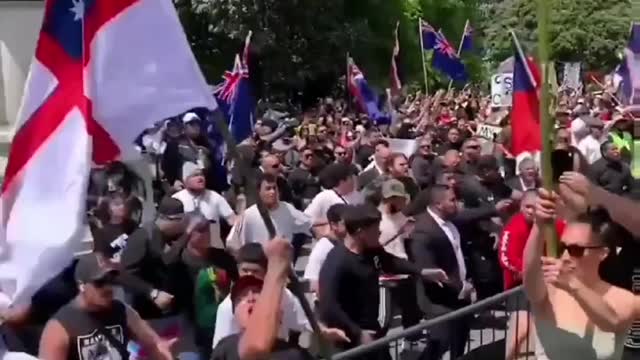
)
(393, 188)
(190, 169)
(90, 269)
(170, 207)
(244, 283)
(189, 117)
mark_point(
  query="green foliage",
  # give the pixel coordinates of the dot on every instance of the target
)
(589, 31)
(302, 44)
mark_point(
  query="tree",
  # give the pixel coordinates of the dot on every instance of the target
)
(589, 31)
(299, 47)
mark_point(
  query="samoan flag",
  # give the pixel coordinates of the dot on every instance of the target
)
(367, 98)
(525, 116)
(466, 45)
(628, 73)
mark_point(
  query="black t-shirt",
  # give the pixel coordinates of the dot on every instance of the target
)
(349, 290)
(227, 349)
(86, 341)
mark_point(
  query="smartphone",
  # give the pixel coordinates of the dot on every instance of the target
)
(561, 162)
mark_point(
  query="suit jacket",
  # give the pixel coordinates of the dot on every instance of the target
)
(367, 177)
(429, 247)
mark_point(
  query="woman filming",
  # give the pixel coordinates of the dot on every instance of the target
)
(577, 314)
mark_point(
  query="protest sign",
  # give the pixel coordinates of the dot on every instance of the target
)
(501, 89)
(488, 131)
(405, 146)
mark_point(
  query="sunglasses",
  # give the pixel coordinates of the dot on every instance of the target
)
(100, 283)
(340, 153)
(577, 251)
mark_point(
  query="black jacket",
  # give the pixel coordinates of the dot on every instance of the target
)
(613, 176)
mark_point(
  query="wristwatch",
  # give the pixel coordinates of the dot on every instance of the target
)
(154, 294)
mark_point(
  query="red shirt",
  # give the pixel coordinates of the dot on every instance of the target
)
(511, 248)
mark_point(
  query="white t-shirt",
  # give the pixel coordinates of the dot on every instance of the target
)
(590, 148)
(287, 221)
(211, 204)
(317, 209)
(316, 259)
(390, 225)
(293, 318)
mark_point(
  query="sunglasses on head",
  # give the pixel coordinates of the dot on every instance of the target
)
(577, 251)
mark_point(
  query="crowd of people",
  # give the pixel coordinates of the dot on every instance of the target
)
(453, 221)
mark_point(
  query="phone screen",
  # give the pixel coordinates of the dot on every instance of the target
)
(561, 162)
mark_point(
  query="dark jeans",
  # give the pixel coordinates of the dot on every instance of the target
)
(404, 298)
(451, 336)
(298, 242)
(204, 340)
(631, 354)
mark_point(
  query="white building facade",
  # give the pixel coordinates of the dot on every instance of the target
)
(20, 22)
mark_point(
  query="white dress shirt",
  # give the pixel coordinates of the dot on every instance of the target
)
(454, 237)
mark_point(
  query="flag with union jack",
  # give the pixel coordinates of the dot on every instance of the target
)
(366, 97)
(445, 57)
(235, 98)
(467, 43)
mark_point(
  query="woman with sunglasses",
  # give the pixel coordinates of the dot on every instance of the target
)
(577, 315)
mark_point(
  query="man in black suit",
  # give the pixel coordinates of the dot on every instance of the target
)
(378, 166)
(528, 178)
(436, 242)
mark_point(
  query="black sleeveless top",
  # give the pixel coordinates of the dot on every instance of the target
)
(86, 342)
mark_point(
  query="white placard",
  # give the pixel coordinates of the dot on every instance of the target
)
(501, 90)
(488, 131)
(405, 146)
(571, 76)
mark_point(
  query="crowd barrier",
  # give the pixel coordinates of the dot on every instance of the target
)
(493, 325)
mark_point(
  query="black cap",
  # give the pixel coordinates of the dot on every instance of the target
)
(243, 283)
(90, 269)
(170, 206)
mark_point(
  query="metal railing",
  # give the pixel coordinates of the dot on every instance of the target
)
(496, 323)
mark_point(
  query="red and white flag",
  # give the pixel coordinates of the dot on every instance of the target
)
(104, 70)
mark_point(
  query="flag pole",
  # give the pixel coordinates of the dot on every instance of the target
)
(346, 81)
(464, 31)
(424, 65)
(546, 123)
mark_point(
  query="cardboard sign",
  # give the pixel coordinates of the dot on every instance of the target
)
(501, 90)
(488, 132)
